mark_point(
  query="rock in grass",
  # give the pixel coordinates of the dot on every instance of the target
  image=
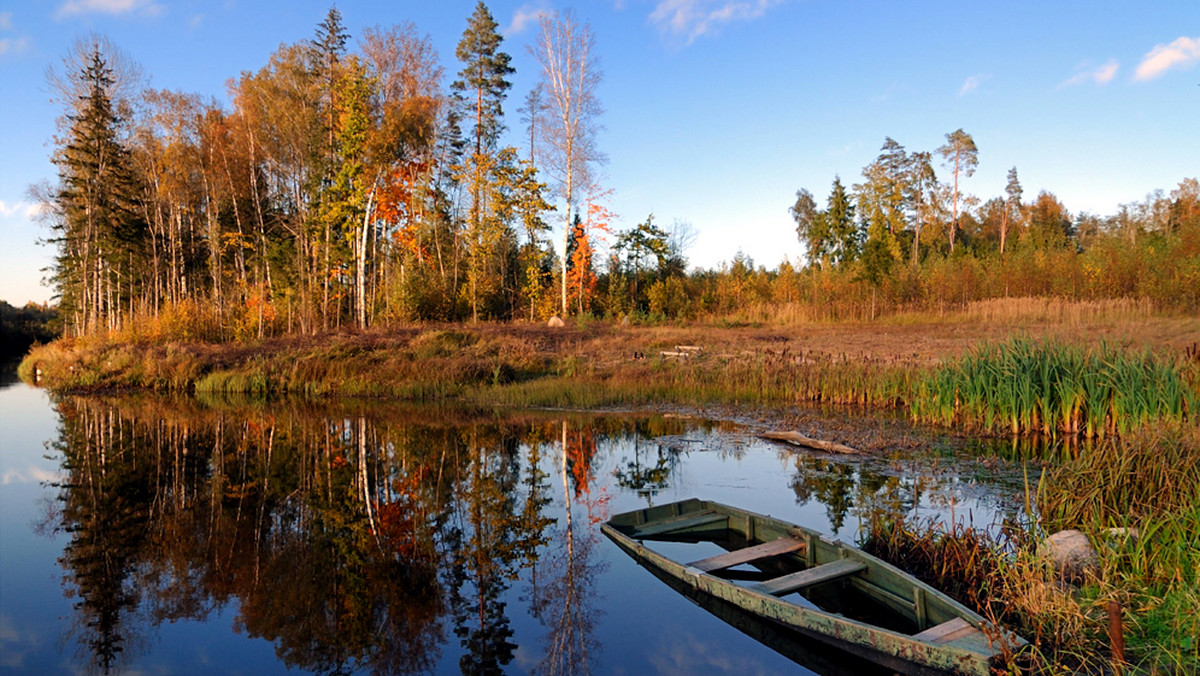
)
(1071, 553)
(555, 322)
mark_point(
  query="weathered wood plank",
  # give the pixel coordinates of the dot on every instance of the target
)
(681, 523)
(948, 631)
(797, 439)
(765, 550)
(809, 577)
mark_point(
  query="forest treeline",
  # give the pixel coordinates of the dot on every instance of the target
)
(345, 186)
(21, 327)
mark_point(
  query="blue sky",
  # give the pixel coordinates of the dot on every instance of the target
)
(716, 111)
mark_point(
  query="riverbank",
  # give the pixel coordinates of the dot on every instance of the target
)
(1069, 374)
(629, 362)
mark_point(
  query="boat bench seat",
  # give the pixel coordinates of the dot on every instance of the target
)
(948, 631)
(810, 577)
(693, 520)
(783, 545)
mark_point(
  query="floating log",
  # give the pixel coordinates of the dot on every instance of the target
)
(797, 439)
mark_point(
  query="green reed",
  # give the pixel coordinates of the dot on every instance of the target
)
(1024, 386)
(1138, 499)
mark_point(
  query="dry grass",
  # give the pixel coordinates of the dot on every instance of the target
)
(1061, 311)
(445, 360)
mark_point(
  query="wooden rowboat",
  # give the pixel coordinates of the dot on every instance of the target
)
(816, 585)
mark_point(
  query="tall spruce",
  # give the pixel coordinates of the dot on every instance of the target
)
(325, 54)
(1012, 204)
(839, 214)
(101, 238)
(883, 200)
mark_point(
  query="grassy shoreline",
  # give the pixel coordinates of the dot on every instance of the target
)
(1056, 377)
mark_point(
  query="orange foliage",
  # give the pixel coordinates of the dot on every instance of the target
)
(581, 450)
(581, 277)
(400, 520)
(396, 204)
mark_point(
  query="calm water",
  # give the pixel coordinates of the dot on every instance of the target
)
(155, 535)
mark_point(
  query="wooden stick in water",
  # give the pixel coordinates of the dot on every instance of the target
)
(797, 439)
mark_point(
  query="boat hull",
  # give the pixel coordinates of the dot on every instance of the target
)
(886, 585)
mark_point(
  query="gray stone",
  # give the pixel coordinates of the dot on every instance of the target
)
(1071, 554)
(555, 322)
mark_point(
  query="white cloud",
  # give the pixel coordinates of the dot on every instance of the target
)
(690, 19)
(13, 45)
(1183, 52)
(75, 7)
(6, 210)
(972, 83)
(30, 475)
(1100, 75)
(5, 21)
(27, 210)
(525, 16)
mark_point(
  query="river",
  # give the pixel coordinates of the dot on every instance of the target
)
(147, 534)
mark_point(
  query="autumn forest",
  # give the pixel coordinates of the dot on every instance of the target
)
(346, 186)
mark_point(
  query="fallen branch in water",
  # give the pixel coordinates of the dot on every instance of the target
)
(797, 439)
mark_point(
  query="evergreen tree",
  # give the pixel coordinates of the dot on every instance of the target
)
(883, 199)
(839, 218)
(922, 188)
(483, 81)
(101, 240)
(959, 152)
(482, 86)
(1012, 205)
(325, 53)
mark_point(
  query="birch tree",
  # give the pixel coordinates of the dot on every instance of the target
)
(570, 76)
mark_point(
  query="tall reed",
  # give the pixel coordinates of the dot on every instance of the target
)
(1024, 386)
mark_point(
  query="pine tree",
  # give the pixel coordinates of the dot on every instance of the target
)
(483, 80)
(960, 152)
(482, 85)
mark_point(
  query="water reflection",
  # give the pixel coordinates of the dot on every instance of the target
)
(389, 539)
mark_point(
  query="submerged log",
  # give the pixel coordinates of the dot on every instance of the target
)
(797, 439)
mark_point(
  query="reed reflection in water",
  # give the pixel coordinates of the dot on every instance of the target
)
(388, 539)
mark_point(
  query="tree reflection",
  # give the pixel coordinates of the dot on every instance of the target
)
(346, 542)
(569, 612)
(845, 488)
(106, 513)
(352, 536)
(647, 476)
